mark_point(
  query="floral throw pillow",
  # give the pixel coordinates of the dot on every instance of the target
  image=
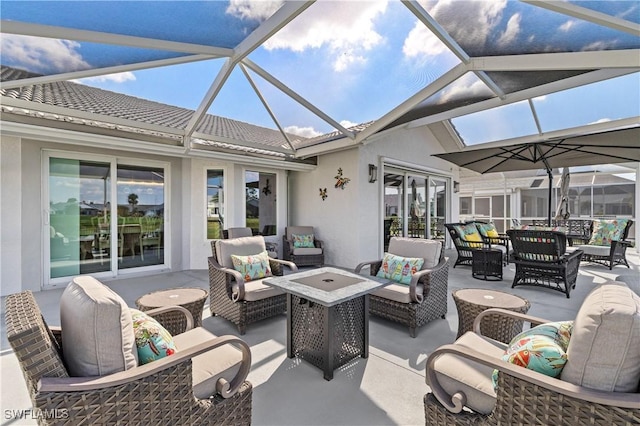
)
(252, 267)
(303, 241)
(488, 229)
(152, 339)
(399, 269)
(542, 349)
(607, 230)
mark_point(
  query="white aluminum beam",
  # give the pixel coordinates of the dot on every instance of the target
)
(296, 97)
(433, 88)
(212, 138)
(48, 31)
(11, 84)
(604, 59)
(266, 106)
(586, 14)
(545, 89)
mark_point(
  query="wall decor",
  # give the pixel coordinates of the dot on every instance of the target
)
(267, 188)
(323, 193)
(373, 173)
(341, 181)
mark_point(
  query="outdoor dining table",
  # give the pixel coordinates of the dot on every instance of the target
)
(327, 315)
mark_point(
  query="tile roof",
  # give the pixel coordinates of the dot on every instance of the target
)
(74, 96)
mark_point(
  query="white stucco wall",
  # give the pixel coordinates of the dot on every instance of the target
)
(10, 216)
(350, 220)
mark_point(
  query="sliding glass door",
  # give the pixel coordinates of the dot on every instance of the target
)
(84, 234)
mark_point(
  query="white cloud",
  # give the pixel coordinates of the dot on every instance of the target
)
(511, 32)
(566, 27)
(345, 28)
(467, 86)
(254, 10)
(120, 77)
(305, 132)
(421, 41)
(346, 124)
(42, 55)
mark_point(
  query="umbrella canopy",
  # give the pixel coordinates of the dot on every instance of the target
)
(617, 146)
(562, 212)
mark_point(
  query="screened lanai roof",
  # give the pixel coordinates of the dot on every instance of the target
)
(338, 71)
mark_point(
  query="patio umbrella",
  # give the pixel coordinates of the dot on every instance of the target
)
(616, 146)
(562, 212)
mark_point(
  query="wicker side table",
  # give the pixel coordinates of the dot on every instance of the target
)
(471, 301)
(190, 298)
(487, 264)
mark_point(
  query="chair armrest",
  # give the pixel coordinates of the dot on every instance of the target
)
(568, 257)
(506, 313)
(456, 402)
(237, 276)
(318, 243)
(188, 315)
(223, 387)
(56, 331)
(290, 265)
(361, 265)
(418, 276)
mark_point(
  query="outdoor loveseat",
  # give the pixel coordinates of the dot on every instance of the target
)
(595, 383)
(87, 371)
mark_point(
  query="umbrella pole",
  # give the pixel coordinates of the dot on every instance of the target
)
(550, 173)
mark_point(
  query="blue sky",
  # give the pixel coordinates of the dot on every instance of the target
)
(354, 60)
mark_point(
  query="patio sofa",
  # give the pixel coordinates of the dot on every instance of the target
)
(594, 382)
(89, 371)
(608, 242)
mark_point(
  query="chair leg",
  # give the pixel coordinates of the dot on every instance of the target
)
(412, 332)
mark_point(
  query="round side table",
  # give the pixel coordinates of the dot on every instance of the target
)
(471, 301)
(190, 298)
(487, 264)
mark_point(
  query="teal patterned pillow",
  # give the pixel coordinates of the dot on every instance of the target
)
(399, 269)
(542, 349)
(152, 339)
(607, 230)
(303, 241)
(252, 267)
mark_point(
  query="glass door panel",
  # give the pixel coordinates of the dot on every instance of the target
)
(260, 190)
(437, 207)
(78, 212)
(140, 213)
(393, 225)
(417, 217)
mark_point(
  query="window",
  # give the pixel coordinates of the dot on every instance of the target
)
(465, 205)
(260, 192)
(215, 204)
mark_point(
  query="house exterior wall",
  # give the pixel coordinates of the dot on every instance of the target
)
(349, 221)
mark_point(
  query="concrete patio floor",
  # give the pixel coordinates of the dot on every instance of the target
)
(385, 389)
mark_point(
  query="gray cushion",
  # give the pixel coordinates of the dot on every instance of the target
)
(397, 292)
(240, 232)
(429, 250)
(306, 251)
(604, 350)
(457, 374)
(595, 250)
(97, 336)
(299, 230)
(240, 247)
(256, 290)
(210, 366)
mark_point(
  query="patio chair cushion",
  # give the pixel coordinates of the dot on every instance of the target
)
(244, 246)
(252, 267)
(152, 339)
(592, 250)
(488, 230)
(469, 233)
(397, 292)
(306, 251)
(303, 241)
(399, 269)
(208, 367)
(256, 290)
(98, 336)
(457, 374)
(607, 230)
(603, 350)
(429, 250)
(298, 230)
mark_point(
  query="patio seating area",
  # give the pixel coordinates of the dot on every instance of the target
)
(388, 387)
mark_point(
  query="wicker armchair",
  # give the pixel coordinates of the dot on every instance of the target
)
(161, 392)
(302, 256)
(462, 393)
(425, 299)
(541, 260)
(464, 247)
(612, 252)
(239, 301)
